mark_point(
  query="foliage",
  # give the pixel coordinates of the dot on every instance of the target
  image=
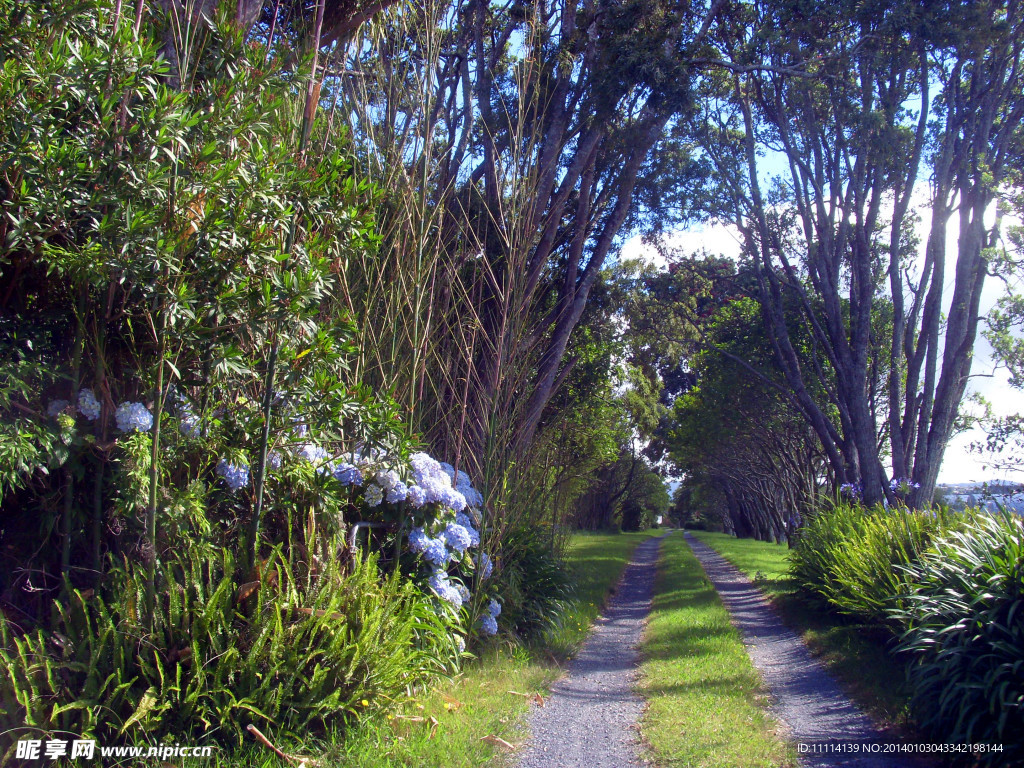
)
(748, 457)
(535, 582)
(855, 558)
(965, 634)
(300, 650)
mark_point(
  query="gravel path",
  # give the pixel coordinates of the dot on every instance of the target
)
(805, 696)
(589, 721)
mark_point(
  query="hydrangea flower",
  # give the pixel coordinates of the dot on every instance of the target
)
(457, 537)
(416, 496)
(274, 460)
(467, 522)
(436, 552)
(445, 589)
(465, 486)
(495, 608)
(387, 478)
(398, 492)
(348, 474)
(448, 469)
(55, 407)
(460, 643)
(299, 428)
(418, 540)
(463, 592)
(373, 495)
(235, 475)
(452, 499)
(488, 625)
(88, 405)
(483, 562)
(133, 416)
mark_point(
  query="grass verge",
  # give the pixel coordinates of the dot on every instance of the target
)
(855, 652)
(706, 706)
(446, 725)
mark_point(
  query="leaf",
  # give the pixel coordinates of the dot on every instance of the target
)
(497, 741)
(146, 705)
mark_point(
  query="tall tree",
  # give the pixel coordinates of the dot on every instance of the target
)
(530, 132)
(858, 101)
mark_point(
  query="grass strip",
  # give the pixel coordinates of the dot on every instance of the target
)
(445, 726)
(705, 701)
(857, 653)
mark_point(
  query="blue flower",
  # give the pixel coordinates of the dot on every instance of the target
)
(88, 405)
(416, 497)
(418, 540)
(398, 492)
(495, 608)
(902, 485)
(436, 552)
(235, 475)
(851, 490)
(453, 499)
(463, 592)
(467, 522)
(457, 537)
(444, 588)
(133, 416)
(348, 474)
(488, 625)
(465, 486)
(274, 460)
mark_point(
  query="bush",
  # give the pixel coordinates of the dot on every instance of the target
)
(964, 619)
(534, 582)
(299, 650)
(854, 558)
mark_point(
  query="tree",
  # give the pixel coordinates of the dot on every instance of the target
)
(858, 99)
(527, 136)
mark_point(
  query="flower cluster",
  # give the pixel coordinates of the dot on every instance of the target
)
(443, 588)
(235, 475)
(133, 417)
(851, 490)
(902, 486)
(88, 405)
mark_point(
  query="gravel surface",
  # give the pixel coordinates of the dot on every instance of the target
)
(805, 696)
(589, 720)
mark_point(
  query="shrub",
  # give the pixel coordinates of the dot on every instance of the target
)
(534, 581)
(298, 650)
(964, 619)
(853, 557)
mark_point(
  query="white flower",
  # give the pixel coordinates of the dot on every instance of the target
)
(373, 495)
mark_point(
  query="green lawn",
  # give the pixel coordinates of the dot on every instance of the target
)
(706, 706)
(445, 726)
(856, 653)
